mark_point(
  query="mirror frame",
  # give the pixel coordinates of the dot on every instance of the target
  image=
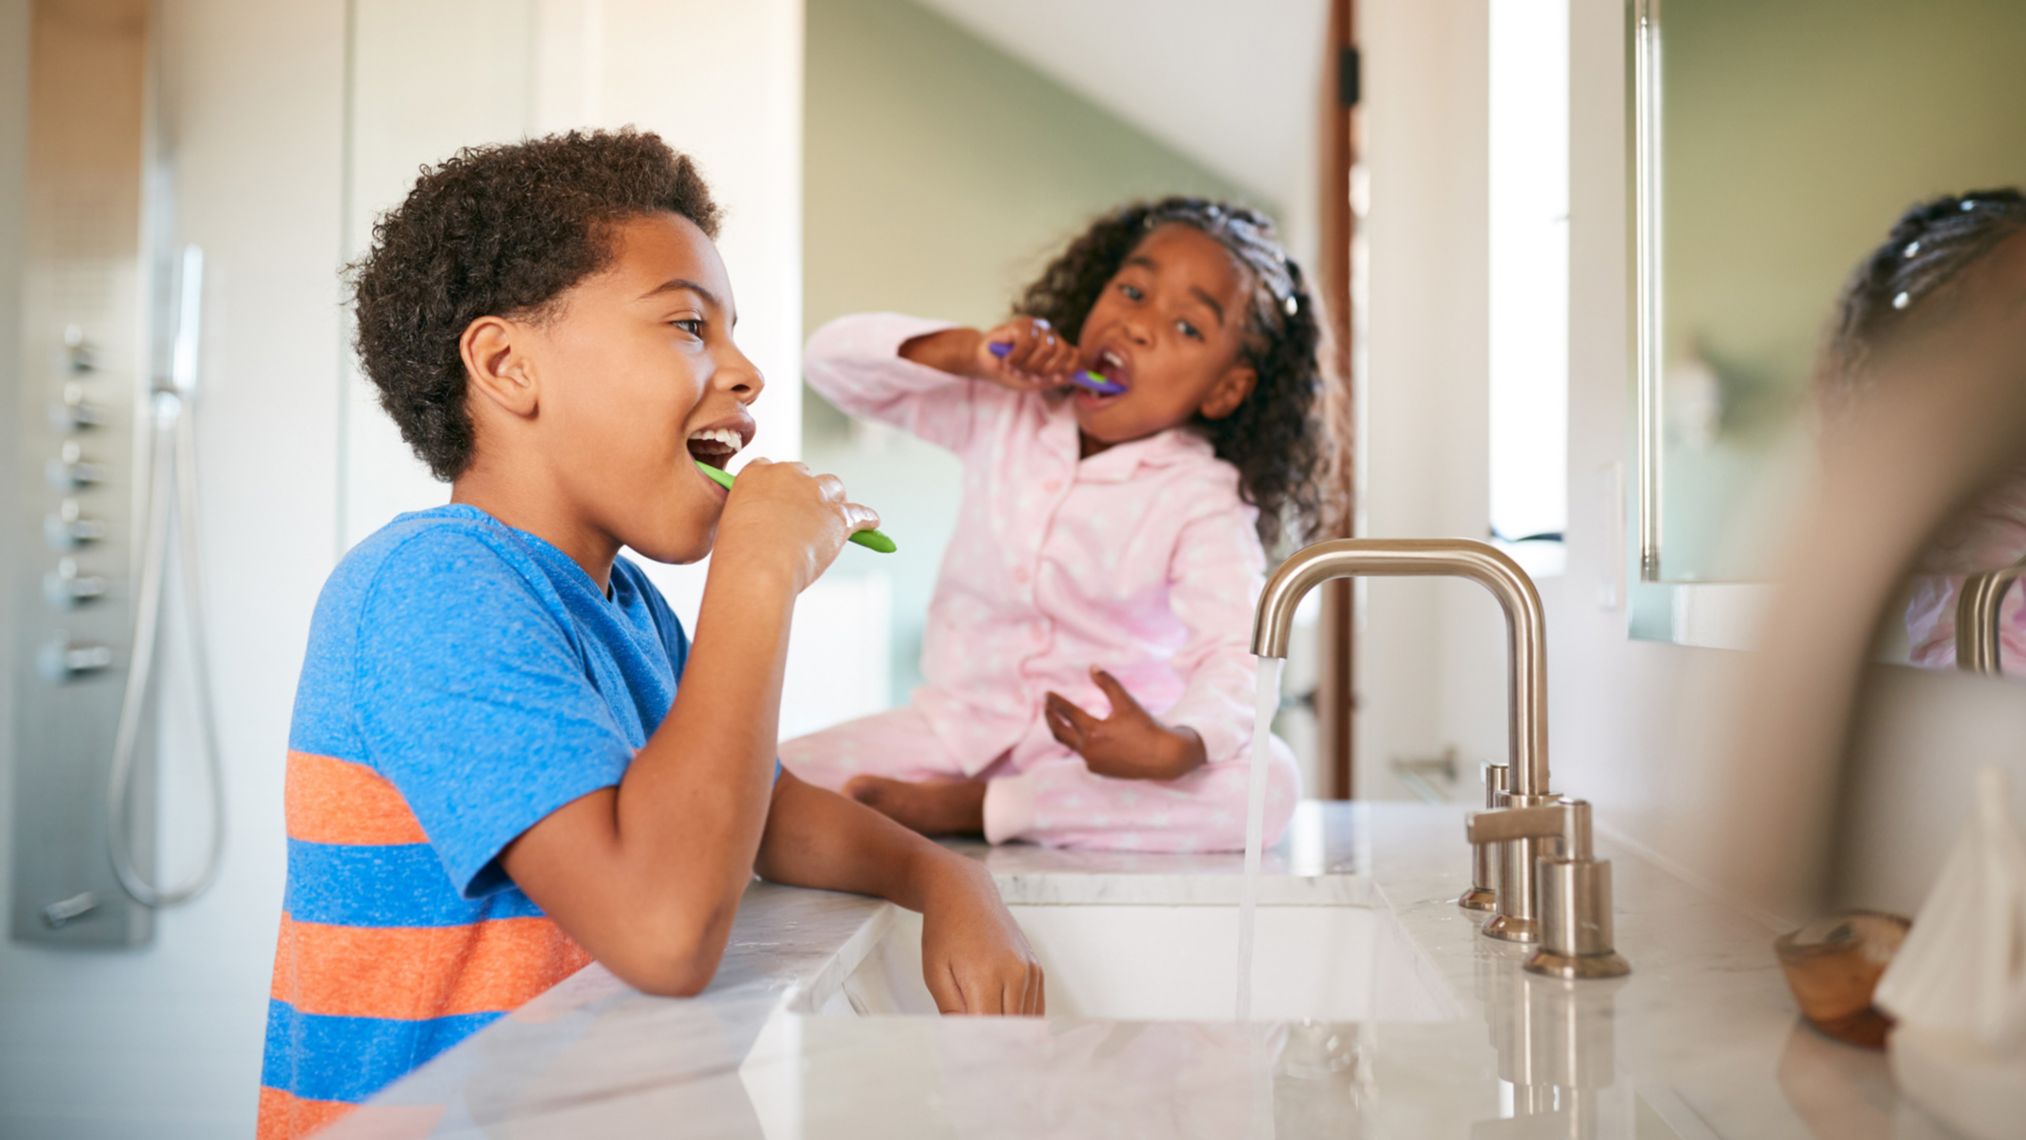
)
(1713, 615)
(1646, 338)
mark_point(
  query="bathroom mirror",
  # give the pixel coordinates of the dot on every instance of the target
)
(1773, 147)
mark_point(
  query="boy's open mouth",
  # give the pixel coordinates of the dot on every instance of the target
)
(716, 445)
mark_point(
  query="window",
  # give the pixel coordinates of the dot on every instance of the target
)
(1529, 232)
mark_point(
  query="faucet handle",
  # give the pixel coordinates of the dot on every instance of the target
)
(1574, 887)
(1576, 939)
(1564, 819)
(1483, 892)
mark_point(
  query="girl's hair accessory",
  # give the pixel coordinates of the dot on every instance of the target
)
(1250, 237)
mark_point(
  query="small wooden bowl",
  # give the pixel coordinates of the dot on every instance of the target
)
(1833, 965)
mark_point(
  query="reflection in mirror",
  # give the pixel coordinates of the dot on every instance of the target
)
(1778, 143)
(1957, 610)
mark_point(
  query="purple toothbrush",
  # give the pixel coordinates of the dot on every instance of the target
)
(1080, 378)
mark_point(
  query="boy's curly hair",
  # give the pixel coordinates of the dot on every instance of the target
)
(497, 231)
(1276, 438)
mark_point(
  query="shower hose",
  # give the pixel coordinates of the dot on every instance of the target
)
(174, 482)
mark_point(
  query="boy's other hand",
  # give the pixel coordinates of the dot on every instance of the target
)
(1128, 744)
(783, 520)
(974, 958)
(1039, 356)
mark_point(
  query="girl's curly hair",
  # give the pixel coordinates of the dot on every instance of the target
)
(1276, 438)
(1921, 261)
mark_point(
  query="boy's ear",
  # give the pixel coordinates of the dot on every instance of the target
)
(496, 365)
(1228, 392)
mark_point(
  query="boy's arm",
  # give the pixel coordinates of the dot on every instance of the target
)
(974, 958)
(646, 876)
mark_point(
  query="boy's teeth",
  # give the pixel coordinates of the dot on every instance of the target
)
(725, 436)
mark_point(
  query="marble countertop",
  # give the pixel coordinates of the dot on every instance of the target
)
(1701, 1040)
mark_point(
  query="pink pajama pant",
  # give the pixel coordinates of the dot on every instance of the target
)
(1041, 792)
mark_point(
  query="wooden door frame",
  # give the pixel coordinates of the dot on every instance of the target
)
(1336, 693)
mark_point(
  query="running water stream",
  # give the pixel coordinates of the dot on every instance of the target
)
(1268, 702)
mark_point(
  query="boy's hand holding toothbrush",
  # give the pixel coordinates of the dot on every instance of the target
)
(785, 525)
(1128, 744)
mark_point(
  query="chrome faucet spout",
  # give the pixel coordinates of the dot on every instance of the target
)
(1574, 925)
(1525, 623)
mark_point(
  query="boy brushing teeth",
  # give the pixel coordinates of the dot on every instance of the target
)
(506, 758)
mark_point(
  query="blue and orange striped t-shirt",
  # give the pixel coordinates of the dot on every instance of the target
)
(463, 680)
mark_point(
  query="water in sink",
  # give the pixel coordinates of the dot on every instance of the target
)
(1173, 963)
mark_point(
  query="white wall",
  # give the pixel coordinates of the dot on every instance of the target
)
(1430, 653)
(397, 65)
(165, 1040)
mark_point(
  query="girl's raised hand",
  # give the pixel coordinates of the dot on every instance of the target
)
(1037, 356)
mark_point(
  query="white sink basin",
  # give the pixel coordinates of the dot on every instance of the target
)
(1171, 963)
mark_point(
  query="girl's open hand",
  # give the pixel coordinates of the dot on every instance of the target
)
(783, 520)
(974, 958)
(1129, 744)
(1040, 357)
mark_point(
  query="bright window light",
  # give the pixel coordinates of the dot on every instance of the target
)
(1529, 227)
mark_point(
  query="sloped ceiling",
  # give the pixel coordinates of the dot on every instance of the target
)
(1230, 83)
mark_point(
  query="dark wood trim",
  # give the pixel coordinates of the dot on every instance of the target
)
(1336, 698)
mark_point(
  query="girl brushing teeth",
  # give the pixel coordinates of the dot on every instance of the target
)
(1090, 682)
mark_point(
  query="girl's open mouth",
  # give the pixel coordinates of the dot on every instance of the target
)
(1110, 368)
(1113, 366)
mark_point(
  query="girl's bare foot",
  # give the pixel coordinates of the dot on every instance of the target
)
(939, 807)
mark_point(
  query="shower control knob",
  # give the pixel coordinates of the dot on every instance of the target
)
(71, 470)
(65, 589)
(63, 912)
(70, 528)
(76, 413)
(64, 660)
(78, 352)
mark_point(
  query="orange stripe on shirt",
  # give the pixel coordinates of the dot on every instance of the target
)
(336, 801)
(284, 1116)
(417, 972)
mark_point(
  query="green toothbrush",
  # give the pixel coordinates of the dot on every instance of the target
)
(869, 539)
